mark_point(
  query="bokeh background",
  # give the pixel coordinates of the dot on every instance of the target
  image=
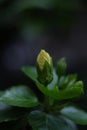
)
(58, 26)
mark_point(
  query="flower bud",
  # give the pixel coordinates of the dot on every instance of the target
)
(61, 67)
(44, 67)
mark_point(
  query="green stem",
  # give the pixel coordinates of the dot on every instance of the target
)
(48, 103)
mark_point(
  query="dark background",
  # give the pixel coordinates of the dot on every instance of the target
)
(58, 26)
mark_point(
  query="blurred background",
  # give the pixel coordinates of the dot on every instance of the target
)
(58, 26)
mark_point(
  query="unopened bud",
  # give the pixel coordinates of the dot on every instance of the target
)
(44, 67)
(61, 67)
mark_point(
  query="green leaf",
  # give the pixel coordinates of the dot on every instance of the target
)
(52, 89)
(76, 115)
(21, 96)
(67, 81)
(54, 81)
(30, 72)
(1, 92)
(8, 113)
(68, 93)
(42, 121)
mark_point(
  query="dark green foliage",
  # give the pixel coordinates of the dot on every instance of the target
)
(76, 115)
(42, 121)
(53, 111)
(69, 92)
(20, 96)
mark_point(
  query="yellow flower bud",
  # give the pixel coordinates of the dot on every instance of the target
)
(42, 58)
(44, 67)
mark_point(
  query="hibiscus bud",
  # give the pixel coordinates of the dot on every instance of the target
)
(61, 67)
(44, 67)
